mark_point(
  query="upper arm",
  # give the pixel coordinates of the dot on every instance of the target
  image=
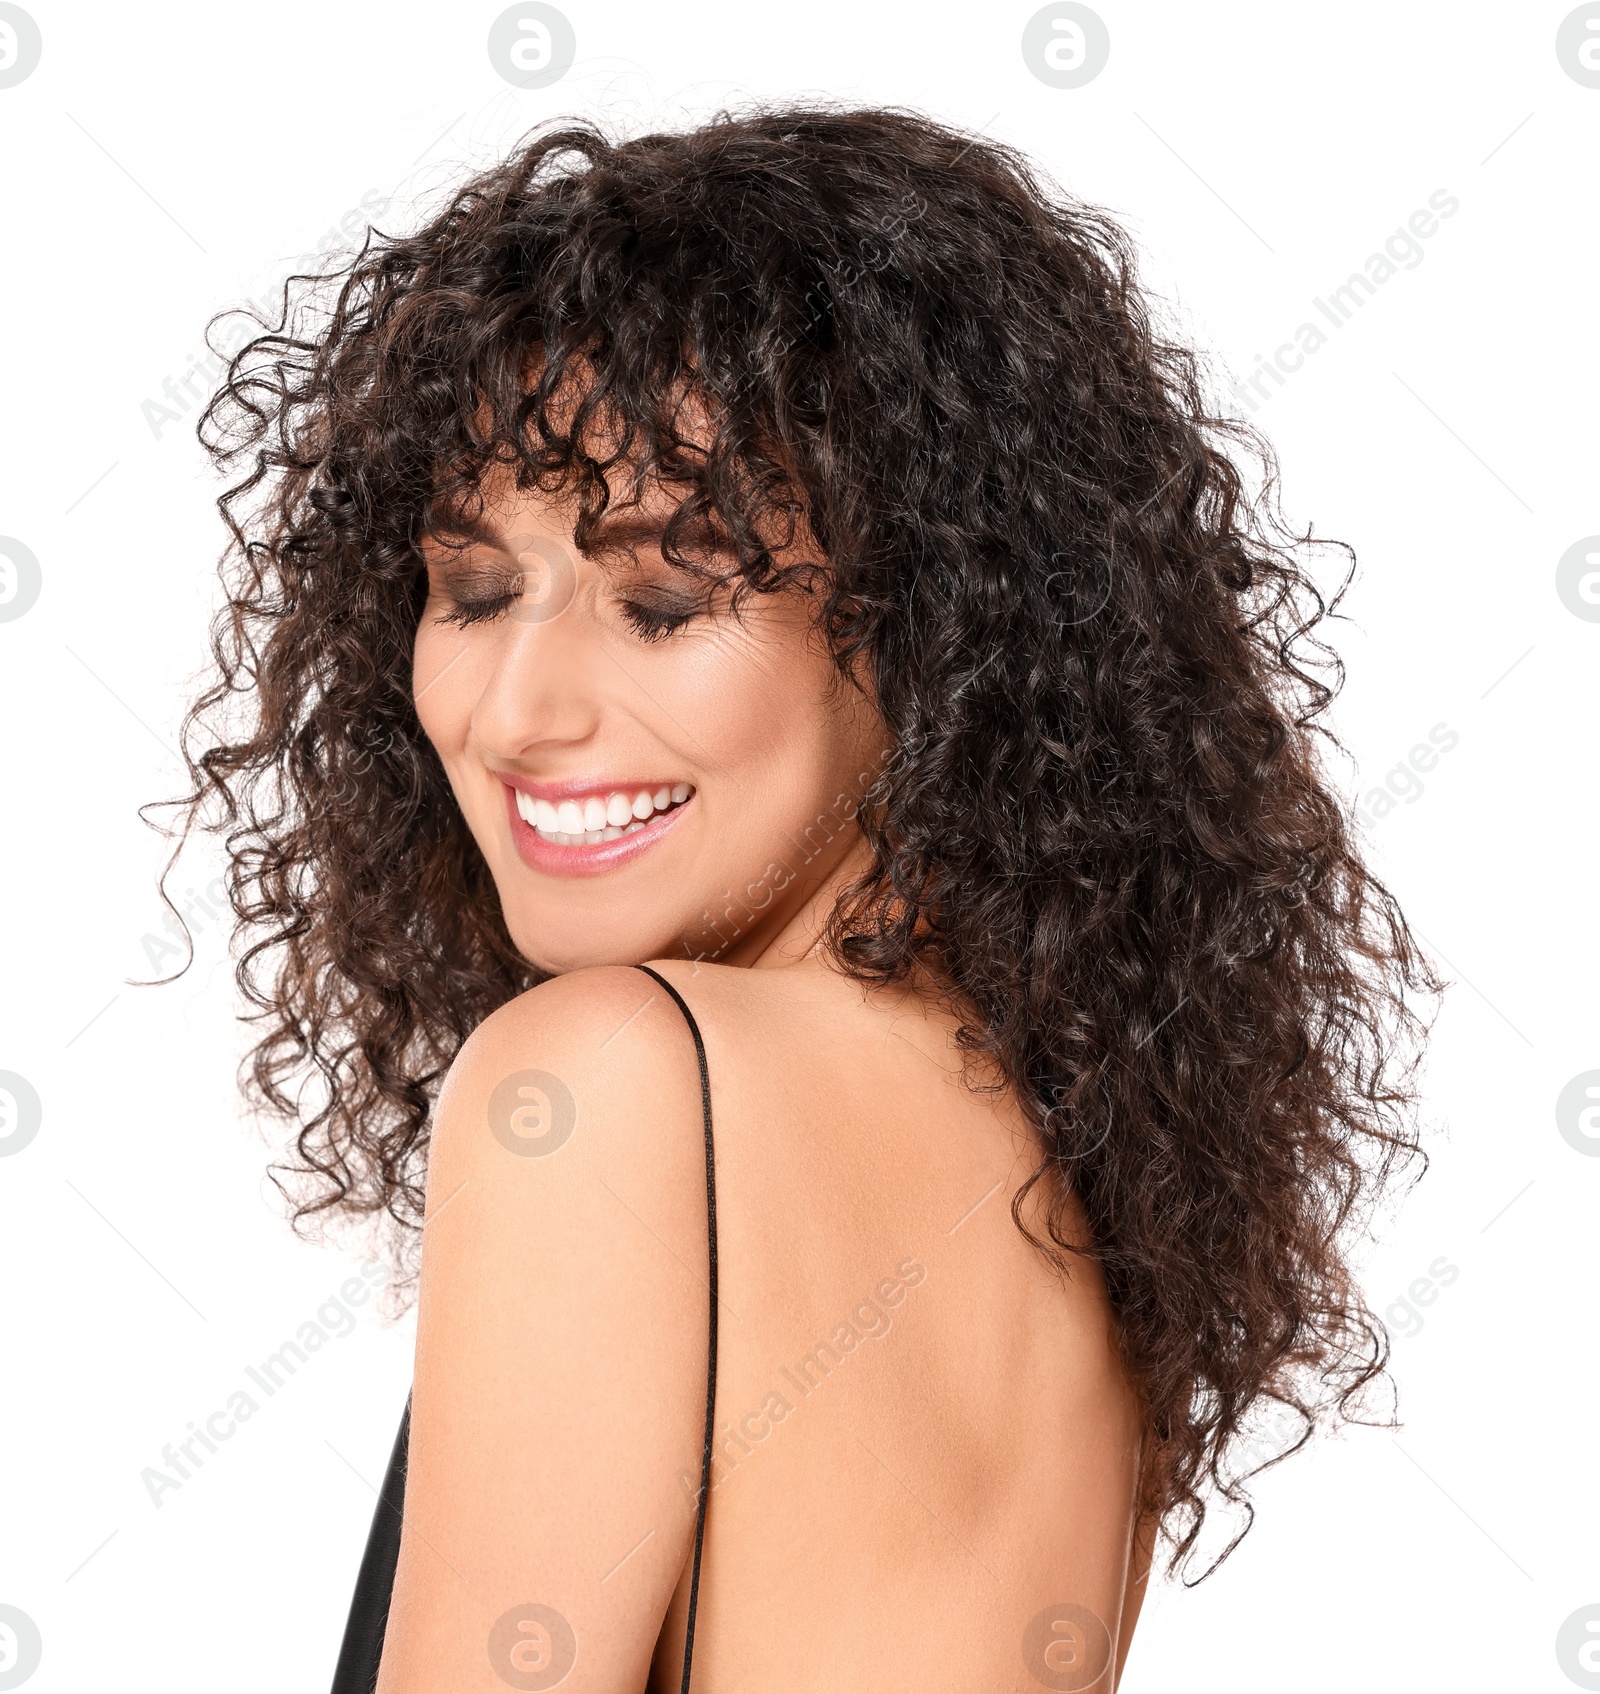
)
(558, 1404)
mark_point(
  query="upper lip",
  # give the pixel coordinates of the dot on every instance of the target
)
(581, 788)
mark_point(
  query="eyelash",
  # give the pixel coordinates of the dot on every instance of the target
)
(475, 611)
(652, 624)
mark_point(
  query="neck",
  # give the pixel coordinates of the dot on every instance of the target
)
(791, 929)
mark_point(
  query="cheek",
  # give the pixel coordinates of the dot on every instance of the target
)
(440, 675)
(767, 718)
(817, 729)
(448, 675)
(797, 741)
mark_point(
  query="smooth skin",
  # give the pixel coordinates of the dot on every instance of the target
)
(924, 1436)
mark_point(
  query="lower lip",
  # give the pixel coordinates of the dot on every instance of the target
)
(592, 858)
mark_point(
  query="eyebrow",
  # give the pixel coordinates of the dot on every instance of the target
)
(624, 532)
(610, 535)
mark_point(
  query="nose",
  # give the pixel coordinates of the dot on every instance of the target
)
(545, 685)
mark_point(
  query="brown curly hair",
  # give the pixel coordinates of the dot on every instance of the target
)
(1077, 619)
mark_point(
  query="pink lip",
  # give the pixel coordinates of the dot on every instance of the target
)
(590, 859)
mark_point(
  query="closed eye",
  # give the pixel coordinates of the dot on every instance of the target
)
(497, 592)
(467, 612)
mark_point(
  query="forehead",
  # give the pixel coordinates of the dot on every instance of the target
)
(684, 427)
(677, 414)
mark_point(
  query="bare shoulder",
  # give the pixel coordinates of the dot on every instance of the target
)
(594, 1020)
(595, 1060)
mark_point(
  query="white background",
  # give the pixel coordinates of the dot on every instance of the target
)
(161, 163)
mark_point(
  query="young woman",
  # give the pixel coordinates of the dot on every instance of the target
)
(780, 818)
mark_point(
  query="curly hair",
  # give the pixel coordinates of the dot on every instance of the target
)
(1108, 826)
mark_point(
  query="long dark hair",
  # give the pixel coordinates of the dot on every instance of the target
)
(1108, 825)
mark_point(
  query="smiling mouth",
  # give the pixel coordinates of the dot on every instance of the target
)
(599, 817)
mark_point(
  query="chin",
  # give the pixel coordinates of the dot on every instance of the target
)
(546, 948)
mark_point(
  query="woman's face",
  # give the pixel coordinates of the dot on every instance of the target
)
(646, 775)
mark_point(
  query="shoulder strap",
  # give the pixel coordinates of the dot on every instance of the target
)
(711, 1343)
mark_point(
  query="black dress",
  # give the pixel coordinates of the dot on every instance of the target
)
(362, 1648)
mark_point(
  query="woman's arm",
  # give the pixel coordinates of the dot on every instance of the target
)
(557, 1413)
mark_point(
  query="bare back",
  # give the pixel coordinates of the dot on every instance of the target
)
(926, 1451)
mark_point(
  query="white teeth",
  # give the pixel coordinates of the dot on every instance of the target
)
(577, 823)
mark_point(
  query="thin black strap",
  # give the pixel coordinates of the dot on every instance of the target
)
(368, 1620)
(711, 1344)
